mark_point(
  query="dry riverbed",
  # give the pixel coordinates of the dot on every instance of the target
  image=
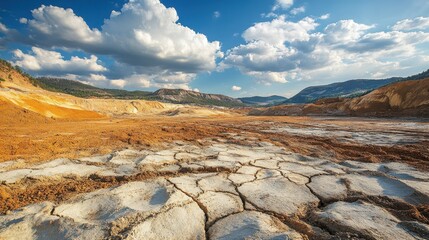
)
(241, 178)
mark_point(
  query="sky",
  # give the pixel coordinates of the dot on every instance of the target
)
(233, 47)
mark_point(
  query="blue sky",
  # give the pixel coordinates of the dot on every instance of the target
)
(237, 48)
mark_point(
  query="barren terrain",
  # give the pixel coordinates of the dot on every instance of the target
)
(73, 168)
(227, 177)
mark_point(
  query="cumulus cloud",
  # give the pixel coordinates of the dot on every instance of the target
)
(278, 31)
(51, 62)
(419, 23)
(325, 16)
(236, 88)
(297, 10)
(57, 26)
(3, 28)
(282, 4)
(281, 50)
(345, 31)
(23, 20)
(144, 36)
(216, 14)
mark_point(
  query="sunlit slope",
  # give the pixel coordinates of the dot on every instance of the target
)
(16, 88)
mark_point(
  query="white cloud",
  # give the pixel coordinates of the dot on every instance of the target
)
(196, 90)
(118, 83)
(236, 88)
(51, 62)
(269, 15)
(283, 4)
(61, 27)
(3, 28)
(297, 10)
(419, 23)
(97, 77)
(345, 31)
(296, 52)
(325, 16)
(216, 14)
(23, 20)
(279, 30)
(144, 35)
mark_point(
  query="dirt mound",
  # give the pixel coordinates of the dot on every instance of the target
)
(11, 114)
(404, 99)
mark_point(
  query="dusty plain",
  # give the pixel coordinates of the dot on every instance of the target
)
(236, 176)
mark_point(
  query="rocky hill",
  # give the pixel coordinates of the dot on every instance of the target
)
(192, 97)
(347, 89)
(178, 96)
(351, 88)
(257, 100)
(404, 99)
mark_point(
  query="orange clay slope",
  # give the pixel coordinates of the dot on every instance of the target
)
(16, 88)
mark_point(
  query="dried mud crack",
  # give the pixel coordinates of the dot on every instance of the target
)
(234, 184)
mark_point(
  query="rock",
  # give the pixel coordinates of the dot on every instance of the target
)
(107, 205)
(97, 159)
(328, 188)
(217, 183)
(191, 166)
(296, 178)
(278, 195)
(305, 170)
(243, 155)
(14, 175)
(248, 170)
(220, 164)
(271, 164)
(403, 171)
(159, 158)
(239, 179)
(363, 219)
(127, 156)
(267, 173)
(184, 222)
(219, 204)
(57, 168)
(36, 222)
(170, 168)
(383, 186)
(188, 183)
(251, 225)
(184, 156)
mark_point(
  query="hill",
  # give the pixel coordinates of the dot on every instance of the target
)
(257, 100)
(80, 89)
(351, 88)
(347, 89)
(178, 96)
(401, 99)
(191, 97)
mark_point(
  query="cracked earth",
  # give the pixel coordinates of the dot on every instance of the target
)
(233, 187)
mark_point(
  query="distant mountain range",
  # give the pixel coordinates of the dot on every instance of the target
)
(347, 89)
(400, 99)
(180, 96)
(257, 100)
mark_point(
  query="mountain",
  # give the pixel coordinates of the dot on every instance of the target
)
(400, 99)
(80, 89)
(351, 88)
(191, 97)
(348, 89)
(179, 96)
(257, 100)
